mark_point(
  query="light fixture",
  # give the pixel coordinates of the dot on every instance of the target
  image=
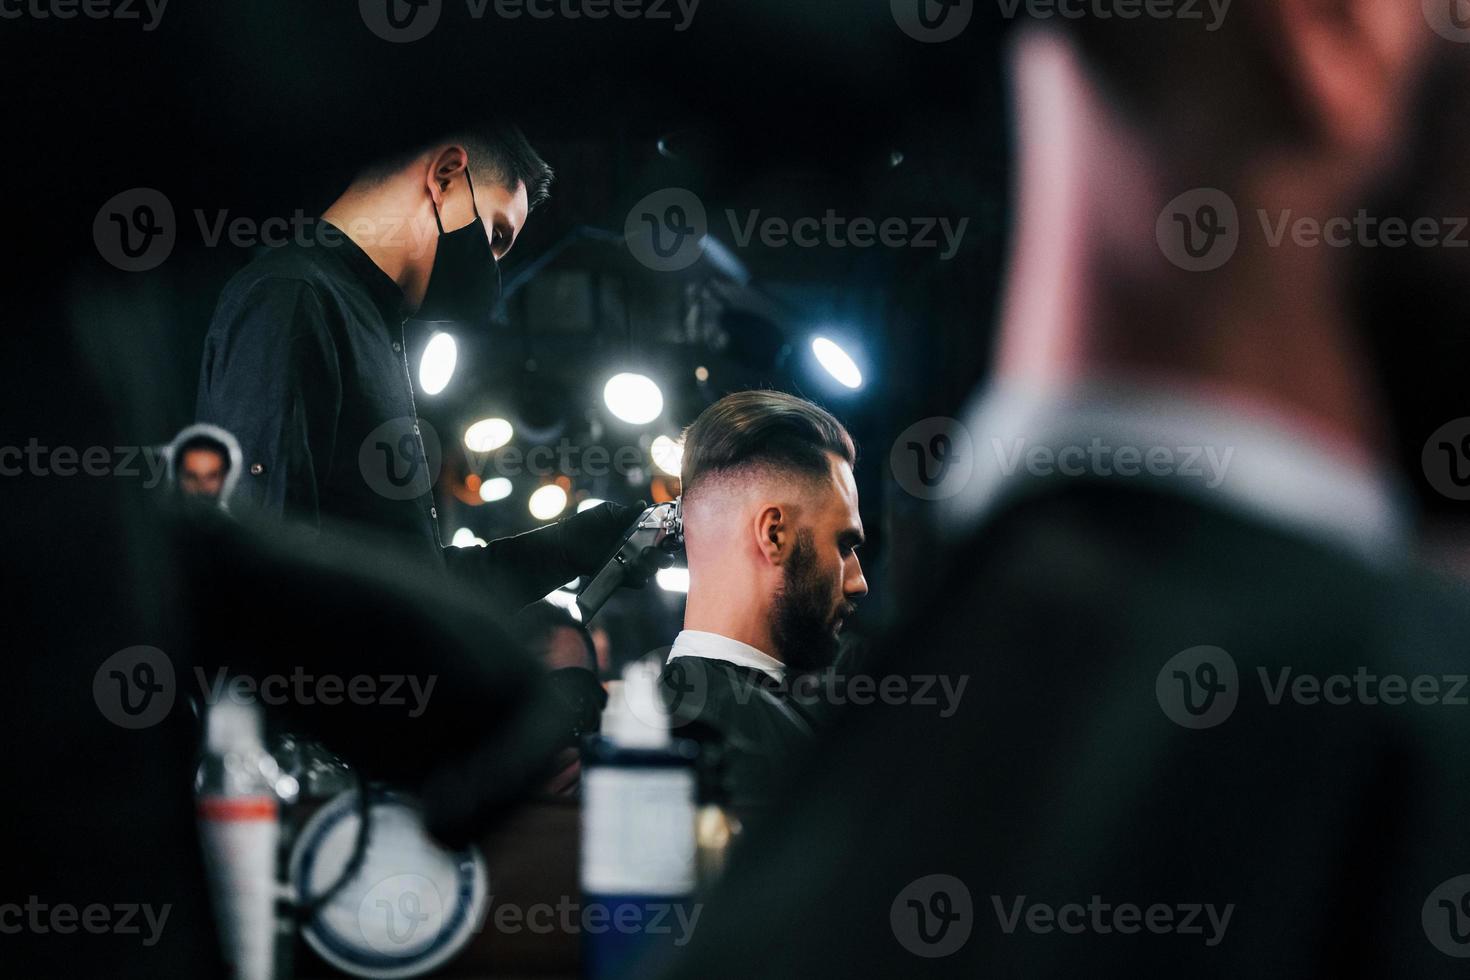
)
(667, 454)
(488, 435)
(465, 538)
(437, 365)
(547, 502)
(496, 488)
(634, 398)
(589, 503)
(672, 579)
(567, 601)
(837, 362)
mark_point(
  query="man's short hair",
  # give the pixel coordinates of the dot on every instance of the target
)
(209, 444)
(752, 429)
(499, 153)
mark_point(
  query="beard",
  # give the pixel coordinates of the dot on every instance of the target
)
(803, 616)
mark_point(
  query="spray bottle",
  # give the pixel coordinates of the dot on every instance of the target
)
(240, 828)
(639, 811)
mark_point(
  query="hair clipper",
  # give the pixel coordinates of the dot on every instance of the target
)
(649, 545)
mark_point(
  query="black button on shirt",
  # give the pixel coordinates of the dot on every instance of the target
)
(304, 363)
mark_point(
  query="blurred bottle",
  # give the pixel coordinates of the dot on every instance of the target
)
(716, 826)
(240, 827)
(639, 859)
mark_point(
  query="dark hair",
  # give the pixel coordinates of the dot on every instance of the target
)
(534, 625)
(510, 159)
(762, 428)
(499, 152)
(206, 442)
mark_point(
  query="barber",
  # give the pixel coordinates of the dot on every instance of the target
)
(305, 360)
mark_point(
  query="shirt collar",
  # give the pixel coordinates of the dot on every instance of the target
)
(713, 646)
(385, 294)
(1230, 455)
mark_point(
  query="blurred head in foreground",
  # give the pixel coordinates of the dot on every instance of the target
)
(554, 637)
(564, 647)
(1197, 197)
(1187, 220)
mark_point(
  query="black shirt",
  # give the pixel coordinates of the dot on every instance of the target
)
(305, 362)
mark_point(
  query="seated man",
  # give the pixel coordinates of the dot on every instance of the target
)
(771, 531)
(204, 461)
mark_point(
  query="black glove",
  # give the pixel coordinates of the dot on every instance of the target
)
(588, 538)
(521, 569)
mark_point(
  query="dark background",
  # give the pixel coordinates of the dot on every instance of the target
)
(264, 109)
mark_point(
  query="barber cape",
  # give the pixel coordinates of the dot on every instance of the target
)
(726, 693)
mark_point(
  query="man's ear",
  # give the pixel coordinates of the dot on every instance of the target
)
(445, 165)
(1351, 63)
(772, 535)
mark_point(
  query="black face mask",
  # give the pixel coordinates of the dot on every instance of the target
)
(464, 283)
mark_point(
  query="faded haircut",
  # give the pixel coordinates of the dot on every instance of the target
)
(498, 153)
(751, 430)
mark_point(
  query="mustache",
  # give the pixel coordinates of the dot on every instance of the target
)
(846, 611)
